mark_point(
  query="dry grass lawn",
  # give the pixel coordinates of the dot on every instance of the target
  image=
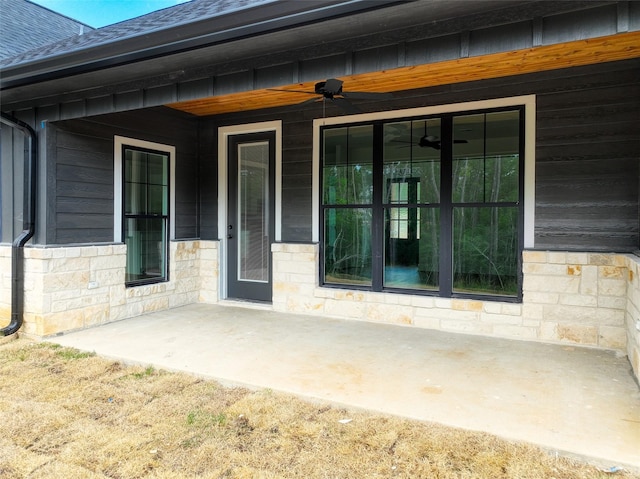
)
(67, 414)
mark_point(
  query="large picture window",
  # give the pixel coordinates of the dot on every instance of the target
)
(426, 204)
(145, 214)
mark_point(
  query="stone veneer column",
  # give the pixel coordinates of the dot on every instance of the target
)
(295, 277)
(209, 271)
(577, 297)
(633, 312)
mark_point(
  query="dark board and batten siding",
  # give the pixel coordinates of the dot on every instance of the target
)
(81, 202)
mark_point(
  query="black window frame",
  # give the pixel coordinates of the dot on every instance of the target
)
(445, 206)
(164, 276)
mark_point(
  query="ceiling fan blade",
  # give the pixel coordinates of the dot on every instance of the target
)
(366, 95)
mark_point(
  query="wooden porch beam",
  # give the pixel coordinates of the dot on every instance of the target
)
(591, 51)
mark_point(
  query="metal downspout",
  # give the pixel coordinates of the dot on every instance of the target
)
(28, 225)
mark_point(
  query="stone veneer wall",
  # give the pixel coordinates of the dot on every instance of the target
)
(577, 298)
(75, 287)
(633, 313)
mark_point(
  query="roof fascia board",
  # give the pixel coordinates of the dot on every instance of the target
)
(267, 18)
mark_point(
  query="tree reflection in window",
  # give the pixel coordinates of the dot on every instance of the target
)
(431, 204)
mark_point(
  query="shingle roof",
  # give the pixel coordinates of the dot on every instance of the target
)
(26, 26)
(184, 13)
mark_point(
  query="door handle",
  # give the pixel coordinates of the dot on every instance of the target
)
(229, 235)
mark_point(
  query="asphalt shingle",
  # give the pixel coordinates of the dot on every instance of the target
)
(25, 26)
(184, 13)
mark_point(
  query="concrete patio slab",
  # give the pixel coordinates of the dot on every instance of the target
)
(572, 400)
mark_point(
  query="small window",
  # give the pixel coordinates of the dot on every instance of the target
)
(403, 222)
(145, 214)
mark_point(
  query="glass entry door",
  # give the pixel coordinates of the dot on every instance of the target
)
(250, 216)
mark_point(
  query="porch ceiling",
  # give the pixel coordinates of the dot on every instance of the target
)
(622, 46)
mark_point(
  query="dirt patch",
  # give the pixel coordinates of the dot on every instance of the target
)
(68, 414)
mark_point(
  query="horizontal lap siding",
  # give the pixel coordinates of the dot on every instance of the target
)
(296, 167)
(13, 160)
(587, 165)
(208, 182)
(296, 181)
(587, 152)
(587, 149)
(84, 189)
(83, 201)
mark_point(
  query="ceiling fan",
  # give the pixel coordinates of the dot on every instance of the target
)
(429, 141)
(331, 90)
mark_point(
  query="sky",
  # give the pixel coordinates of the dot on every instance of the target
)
(98, 13)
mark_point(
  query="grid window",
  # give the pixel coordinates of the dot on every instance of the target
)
(146, 215)
(425, 204)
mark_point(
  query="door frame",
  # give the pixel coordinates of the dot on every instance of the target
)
(223, 160)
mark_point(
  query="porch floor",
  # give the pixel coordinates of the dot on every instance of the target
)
(574, 400)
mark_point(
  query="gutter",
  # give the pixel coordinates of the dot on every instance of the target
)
(28, 225)
(271, 17)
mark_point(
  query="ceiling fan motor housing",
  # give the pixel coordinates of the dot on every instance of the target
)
(329, 88)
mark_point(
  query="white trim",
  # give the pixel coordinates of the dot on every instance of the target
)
(315, 182)
(529, 171)
(529, 102)
(119, 142)
(223, 134)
